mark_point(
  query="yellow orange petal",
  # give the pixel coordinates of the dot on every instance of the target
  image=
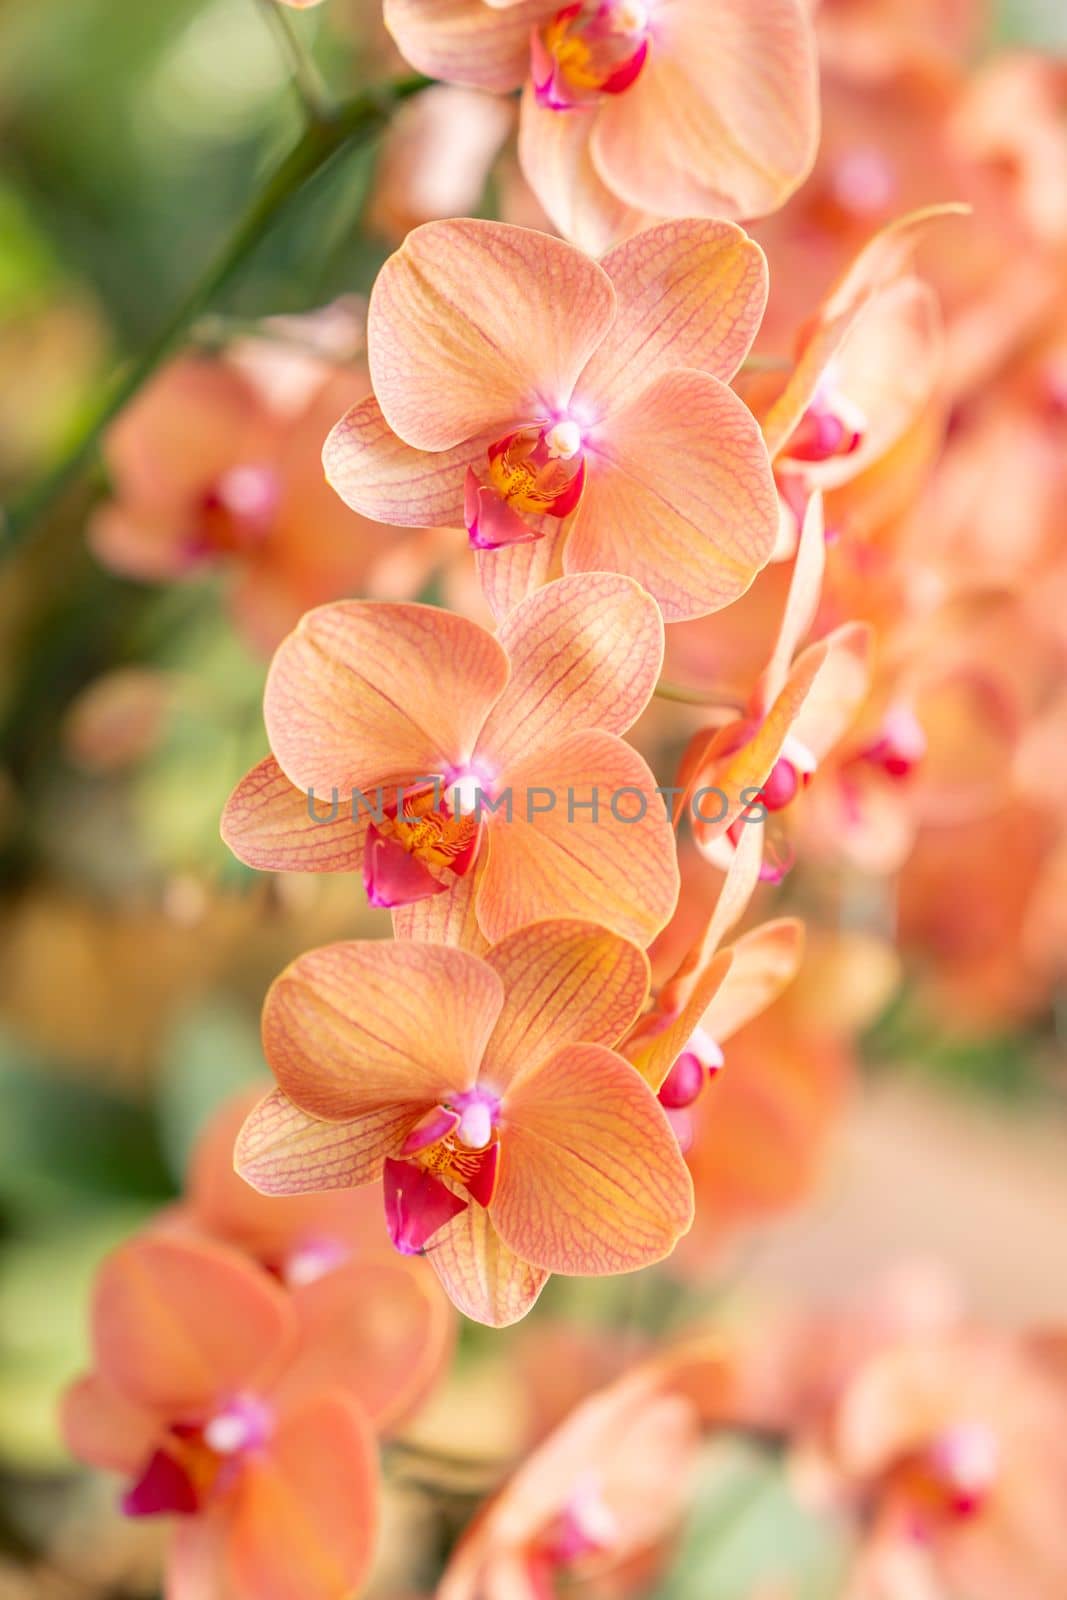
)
(357, 1029)
(585, 652)
(764, 962)
(480, 324)
(380, 476)
(101, 1426)
(563, 981)
(305, 1513)
(557, 163)
(514, 571)
(654, 1049)
(591, 1178)
(446, 918)
(691, 294)
(679, 495)
(482, 1277)
(268, 823)
(379, 1328)
(619, 869)
(179, 1323)
(281, 1150)
(364, 691)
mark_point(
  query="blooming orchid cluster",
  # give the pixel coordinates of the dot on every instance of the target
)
(642, 476)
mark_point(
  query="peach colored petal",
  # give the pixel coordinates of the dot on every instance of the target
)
(267, 824)
(879, 264)
(690, 294)
(802, 601)
(446, 918)
(839, 689)
(679, 495)
(177, 1323)
(482, 1277)
(196, 1555)
(358, 1028)
(511, 573)
(364, 691)
(591, 1178)
(585, 652)
(620, 873)
(379, 1328)
(305, 1515)
(380, 476)
(563, 981)
(655, 1048)
(724, 118)
(557, 163)
(281, 1150)
(148, 545)
(100, 1425)
(764, 962)
(460, 41)
(475, 325)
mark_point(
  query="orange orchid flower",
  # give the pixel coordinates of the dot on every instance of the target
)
(514, 1141)
(801, 706)
(215, 1402)
(574, 416)
(214, 466)
(499, 755)
(332, 1252)
(597, 1500)
(627, 110)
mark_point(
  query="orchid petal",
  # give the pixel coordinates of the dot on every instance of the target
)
(381, 477)
(305, 1512)
(839, 689)
(765, 961)
(690, 294)
(563, 982)
(459, 41)
(585, 652)
(392, 876)
(557, 163)
(379, 1328)
(474, 325)
(619, 870)
(364, 691)
(281, 1150)
(802, 601)
(514, 571)
(177, 1323)
(679, 495)
(592, 1181)
(658, 1041)
(417, 1205)
(268, 824)
(102, 1426)
(482, 1277)
(724, 118)
(445, 919)
(355, 1029)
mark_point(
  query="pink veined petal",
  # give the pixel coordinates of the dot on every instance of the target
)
(448, 918)
(475, 325)
(360, 1028)
(380, 476)
(305, 1514)
(460, 41)
(558, 165)
(364, 691)
(282, 1150)
(417, 1205)
(267, 823)
(585, 652)
(691, 294)
(679, 495)
(619, 869)
(592, 1180)
(483, 1278)
(511, 573)
(563, 981)
(724, 119)
(177, 1323)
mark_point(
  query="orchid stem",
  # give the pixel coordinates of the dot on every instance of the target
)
(307, 81)
(355, 122)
